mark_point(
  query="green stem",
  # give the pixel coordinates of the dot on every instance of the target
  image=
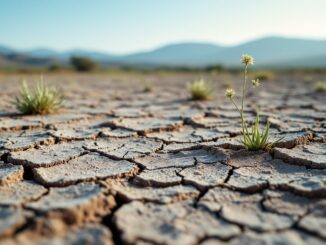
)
(243, 125)
(242, 99)
(244, 86)
(235, 105)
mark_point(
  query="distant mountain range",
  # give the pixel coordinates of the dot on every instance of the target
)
(269, 52)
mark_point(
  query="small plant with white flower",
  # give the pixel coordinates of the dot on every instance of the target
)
(253, 139)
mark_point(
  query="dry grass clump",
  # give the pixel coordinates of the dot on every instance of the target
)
(264, 75)
(40, 100)
(148, 88)
(200, 90)
(320, 86)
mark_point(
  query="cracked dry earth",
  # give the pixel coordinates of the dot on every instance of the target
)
(120, 166)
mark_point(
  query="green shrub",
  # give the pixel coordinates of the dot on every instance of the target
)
(83, 64)
(200, 90)
(263, 75)
(54, 67)
(42, 100)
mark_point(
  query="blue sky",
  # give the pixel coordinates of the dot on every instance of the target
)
(122, 26)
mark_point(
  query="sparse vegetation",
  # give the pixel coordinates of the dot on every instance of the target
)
(214, 68)
(42, 100)
(256, 139)
(264, 75)
(320, 86)
(83, 64)
(307, 79)
(200, 90)
(54, 67)
(148, 88)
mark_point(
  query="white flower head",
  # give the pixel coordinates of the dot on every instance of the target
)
(255, 83)
(230, 93)
(247, 59)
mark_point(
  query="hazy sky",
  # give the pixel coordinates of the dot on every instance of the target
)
(120, 26)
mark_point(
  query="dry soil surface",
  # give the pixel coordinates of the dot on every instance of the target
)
(121, 166)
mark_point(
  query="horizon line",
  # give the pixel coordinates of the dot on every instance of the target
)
(62, 51)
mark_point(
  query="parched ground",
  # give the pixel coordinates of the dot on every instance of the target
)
(120, 166)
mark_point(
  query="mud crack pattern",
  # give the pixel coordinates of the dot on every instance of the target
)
(120, 166)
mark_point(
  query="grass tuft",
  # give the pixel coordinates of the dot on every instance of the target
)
(41, 100)
(147, 88)
(200, 90)
(263, 75)
(320, 86)
(256, 140)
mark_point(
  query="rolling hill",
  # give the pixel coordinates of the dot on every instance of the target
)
(269, 52)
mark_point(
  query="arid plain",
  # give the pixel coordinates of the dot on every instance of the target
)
(117, 165)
